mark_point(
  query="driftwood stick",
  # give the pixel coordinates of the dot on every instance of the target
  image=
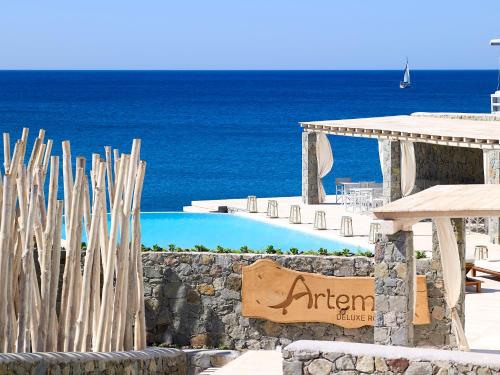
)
(6, 151)
(121, 269)
(77, 271)
(116, 157)
(46, 158)
(54, 281)
(73, 260)
(68, 183)
(17, 156)
(86, 207)
(83, 320)
(11, 318)
(103, 334)
(109, 173)
(67, 305)
(41, 135)
(34, 155)
(23, 339)
(46, 266)
(5, 232)
(140, 319)
(125, 245)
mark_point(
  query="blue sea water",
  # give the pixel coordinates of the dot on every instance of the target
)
(224, 134)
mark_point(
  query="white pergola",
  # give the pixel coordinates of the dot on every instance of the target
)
(452, 201)
(448, 129)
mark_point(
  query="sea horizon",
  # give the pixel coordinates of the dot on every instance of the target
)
(241, 70)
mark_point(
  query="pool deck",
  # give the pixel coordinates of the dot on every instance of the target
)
(481, 308)
(333, 214)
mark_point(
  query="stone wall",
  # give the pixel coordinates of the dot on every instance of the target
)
(323, 358)
(394, 281)
(148, 361)
(492, 176)
(195, 299)
(447, 165)
(310, 179)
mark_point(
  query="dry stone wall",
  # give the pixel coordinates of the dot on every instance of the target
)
(195, 299)
(148, 361)
(324, 358)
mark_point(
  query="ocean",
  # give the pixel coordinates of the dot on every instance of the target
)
(224, 134)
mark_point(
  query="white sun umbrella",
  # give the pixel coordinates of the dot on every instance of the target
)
(495, 42)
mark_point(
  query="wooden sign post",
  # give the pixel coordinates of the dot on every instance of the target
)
(281, 295)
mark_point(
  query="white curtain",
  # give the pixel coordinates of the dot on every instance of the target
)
(452, 275)
(486, 166)
(381, 155)
(325, 162)
(408, 167)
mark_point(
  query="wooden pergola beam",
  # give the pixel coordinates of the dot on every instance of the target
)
(452, 201)
(461, 130)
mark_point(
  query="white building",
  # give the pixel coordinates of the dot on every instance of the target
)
(495, 98)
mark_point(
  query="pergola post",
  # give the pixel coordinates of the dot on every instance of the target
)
(391, 170)
(492, 176)
(310, 180)
(442, 327)
(394, 276)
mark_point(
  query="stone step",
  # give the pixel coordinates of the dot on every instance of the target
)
(252, 362)
(209, 371)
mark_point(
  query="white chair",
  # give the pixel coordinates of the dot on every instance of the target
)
(339, 187)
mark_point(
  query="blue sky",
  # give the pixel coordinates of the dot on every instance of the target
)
(258, 34)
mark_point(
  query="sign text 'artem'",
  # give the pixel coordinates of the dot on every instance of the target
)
(282, 295)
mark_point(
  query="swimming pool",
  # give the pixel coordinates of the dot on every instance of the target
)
(232, 231)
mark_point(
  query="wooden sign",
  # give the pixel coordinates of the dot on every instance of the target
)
(281, 295)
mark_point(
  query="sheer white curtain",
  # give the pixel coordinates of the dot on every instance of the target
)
(381, 155)
(486, 166)
(325, 162)
(408, 167)
(452, 275)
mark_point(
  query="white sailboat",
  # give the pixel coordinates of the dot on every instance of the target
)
(405, 83)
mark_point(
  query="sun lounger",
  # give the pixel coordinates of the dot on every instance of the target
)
(469, 281)
(491, 267)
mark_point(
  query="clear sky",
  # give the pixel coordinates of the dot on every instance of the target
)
(256, 34)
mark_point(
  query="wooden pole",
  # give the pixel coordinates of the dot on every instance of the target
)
(54, 282)
(68, 183)
(83, 320)
(46, 267)
(140, 319)
(109, 172)
(125, 246)
(5, 232)
(68, 306)
(23, 340)
(6, 151)
(46, 158)
(103, 334)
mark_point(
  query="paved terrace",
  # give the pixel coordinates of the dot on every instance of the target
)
(482, 320)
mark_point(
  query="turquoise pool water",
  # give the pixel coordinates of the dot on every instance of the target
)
(232, 231)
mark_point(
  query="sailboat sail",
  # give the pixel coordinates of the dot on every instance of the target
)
(405, 83)
(406, 77)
